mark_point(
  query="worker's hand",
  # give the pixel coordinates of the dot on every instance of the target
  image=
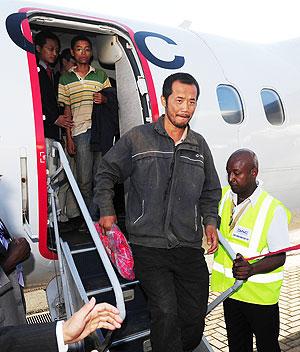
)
(211, 238)
(241, 269)
(99, 98)
(106, 222)
(71, 147)
(64, 121)
(89, 318)
(18, 251)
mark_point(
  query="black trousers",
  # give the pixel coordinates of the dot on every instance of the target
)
(176, 284)
(245, 319)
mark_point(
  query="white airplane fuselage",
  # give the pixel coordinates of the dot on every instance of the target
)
(140, 56)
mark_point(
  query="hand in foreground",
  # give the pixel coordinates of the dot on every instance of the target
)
(99, 98)
(106, 222)
(241, 269)
(64, 121)
(211, 238)
(89, 318)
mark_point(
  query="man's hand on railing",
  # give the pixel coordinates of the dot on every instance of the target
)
(241, 269)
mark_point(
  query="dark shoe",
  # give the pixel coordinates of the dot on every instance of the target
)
(83, 228)
(67, 226)
(77, 221)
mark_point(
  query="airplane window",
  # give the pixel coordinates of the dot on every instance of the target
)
(273, 107)
(230, 104)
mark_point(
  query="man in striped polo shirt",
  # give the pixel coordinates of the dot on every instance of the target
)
(78, 90)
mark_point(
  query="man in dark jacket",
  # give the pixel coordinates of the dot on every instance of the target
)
(47, 47)
(174, 188)
(105, 122)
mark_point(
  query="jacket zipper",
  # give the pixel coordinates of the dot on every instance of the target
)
(143, 211)
(196, 218)
(168, 212)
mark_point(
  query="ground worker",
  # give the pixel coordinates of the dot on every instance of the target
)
(254, 223)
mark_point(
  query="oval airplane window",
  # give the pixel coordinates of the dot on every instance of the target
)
(273, 106)
(230, 104)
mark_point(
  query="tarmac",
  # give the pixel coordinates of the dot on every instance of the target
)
(215, 331)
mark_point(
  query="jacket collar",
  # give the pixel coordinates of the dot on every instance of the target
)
(91, 69)
(43, 64)
(160, 128)
(190, 138)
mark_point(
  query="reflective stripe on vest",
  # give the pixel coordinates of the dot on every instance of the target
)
(252, 249)
(261, 278)
(259, 225)
(223, 200)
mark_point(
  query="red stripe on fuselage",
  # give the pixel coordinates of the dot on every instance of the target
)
(148, 78)
(40, 148)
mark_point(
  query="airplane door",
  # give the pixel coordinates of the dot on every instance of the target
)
(129, 112)
(133, 109)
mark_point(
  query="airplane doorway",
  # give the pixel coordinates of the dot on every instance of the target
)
(114, 53)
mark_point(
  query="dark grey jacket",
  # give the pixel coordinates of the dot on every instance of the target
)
(170, 187)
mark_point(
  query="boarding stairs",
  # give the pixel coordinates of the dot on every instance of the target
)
(85, 271)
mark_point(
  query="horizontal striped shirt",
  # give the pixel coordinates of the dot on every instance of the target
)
(77, 92)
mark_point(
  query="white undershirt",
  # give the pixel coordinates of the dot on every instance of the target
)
(183, 137)
(278, 235)
(60, 337)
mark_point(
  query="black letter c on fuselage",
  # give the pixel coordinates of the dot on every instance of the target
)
(140, 38)
(13, 27)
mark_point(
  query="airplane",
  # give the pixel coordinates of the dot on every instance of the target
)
(249, 98)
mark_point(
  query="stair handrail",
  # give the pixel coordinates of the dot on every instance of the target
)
(100, 248)
(237, 284)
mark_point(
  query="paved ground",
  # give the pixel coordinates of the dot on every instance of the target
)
(289, 305)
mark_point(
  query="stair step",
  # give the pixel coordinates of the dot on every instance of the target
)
(109, 288)
(92, 272)
(140, 335)
(83, 250)
(137, 314)
(134, 333)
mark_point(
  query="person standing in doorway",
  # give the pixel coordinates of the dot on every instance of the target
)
(47, 47)
(78, 90)
(70, 216)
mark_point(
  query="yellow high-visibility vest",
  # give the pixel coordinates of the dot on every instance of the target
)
(248, 237)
